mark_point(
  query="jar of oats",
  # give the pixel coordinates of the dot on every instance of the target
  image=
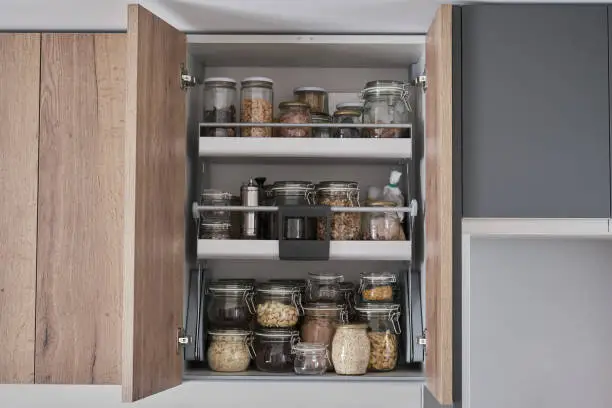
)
(351, 349)
(344, 226)
(229, 350)
(383, 332)
(278, 305)
(377, 287)
(257, 105)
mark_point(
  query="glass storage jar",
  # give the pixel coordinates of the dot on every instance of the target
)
(387, 102)
(310, 359)
(229, 350)
(347, 297)
(323, 287)
(220, 230)
(383, 331)
(257, 105)
(278, 304)
(216, 198)
(382, 226)
(350, 349)
(219, 106)
(377, 287)
(274, 349)
(294, 112)
(314, 96)
(321, 118)
(320, 322)
(344, 226)
(230, 304)
(349, 117)
(288, 193)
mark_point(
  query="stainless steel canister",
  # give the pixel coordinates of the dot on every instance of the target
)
(249, 194)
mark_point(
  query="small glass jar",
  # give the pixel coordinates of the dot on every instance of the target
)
(288, 193)
(222, 230)
(229, 350)
(230, 304)
(314, 96)
(377, 287)
(216, 198)
(348, 117)
(310, 359)
(257, 105)
(350, 349)
(278, 305)
(387, 102)
(344, 226)
(219, 106)
(383, 331)
(323, 287)
(382, 226)
(351, 106)
(321, 132)
(347, 296)
(320, 322)
(274, 349)
(294, 112)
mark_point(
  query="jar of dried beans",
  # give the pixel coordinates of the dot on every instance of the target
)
(383, 331)
(387, 102)
(382, 226)
(344, 226)
(294, 112)
(257, 105)
(377, 287)
(351, 349)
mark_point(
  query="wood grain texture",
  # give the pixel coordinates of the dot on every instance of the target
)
(19, 91)
(439, 207)
(155, 196)
(80, 217)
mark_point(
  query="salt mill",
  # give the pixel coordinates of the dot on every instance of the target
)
(249, 194)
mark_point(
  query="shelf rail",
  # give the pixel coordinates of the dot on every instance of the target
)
(310, 125)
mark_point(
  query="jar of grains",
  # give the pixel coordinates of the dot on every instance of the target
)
(348, 117)
(219, 106)
(314, 96)
(230, 303)
(347, 298)
(215, 198)
(377, 286)
(222, 230)
(345, 226)
(387, 102)
(278, 304)
(274, 349)
(257, 105)
(383, 331)
(323, 287)
(294, 112)
(293, 193)
(310, 359)
(229, 350)
(351, 349)
(321, 118)
(382, 226)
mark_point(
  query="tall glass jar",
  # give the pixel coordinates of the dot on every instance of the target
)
(321, 118)
(314, 96)
(274, 349)
(345, 226)
(351, 349)
(257, 105)
(320, 322)
(229, 350)
(294, 112)
(230, 304)
(278, 305)
(377, 287)
(382, 226)
(383, 331)
(323, 287)
(387, 102)
(219, 105)
(348, 117)
(310, 359)
(288, 193)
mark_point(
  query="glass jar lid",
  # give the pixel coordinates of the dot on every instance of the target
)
(325, 277)
(385, 87)
(219, 82)
(337, 185)
(310, 348)
(309, 89)
(320, 117)
(347, 112)
(257, 81)
(297, 186)
(358, 106)
(278, 333)
(229, 332)
(293, 104)
(211, 194)
(230, 286)
(277, 288)
(378, 277)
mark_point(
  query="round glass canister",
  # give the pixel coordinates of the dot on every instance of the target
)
(314, 96)
(321, 118)
(219, 105)
(294, 112)
(377, 286)
(310, 359)
(351, 349)
(288, 193)
(344, 226)
(277, 304)
(320, 322)
(274, 349)
(229, 350)
(349, 117)
(215, 198)
(257, 105)
(382, 226)
(387, 102)
(323, 287)
(230, 304)
(383, 331)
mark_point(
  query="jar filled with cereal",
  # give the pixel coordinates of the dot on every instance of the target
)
(294, 112)
(377, 287)
(344, 226)
(351, 349)
(230, 350)
(278, 304)
(383, 331)
(257, 105)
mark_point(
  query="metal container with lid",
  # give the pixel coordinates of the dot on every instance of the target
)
(219, 105)
(230, 303)
(320, 132)
(250, 195)
(257, 105)
(345, 226)
(387, 102)
(349, 117)
(294, 112)
(314, 96)
(293, 193)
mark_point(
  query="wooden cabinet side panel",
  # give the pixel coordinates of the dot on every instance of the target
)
(80, 217)
(19, 95)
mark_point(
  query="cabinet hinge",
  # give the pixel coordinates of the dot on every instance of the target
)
(420, 81)
(181, 339)
(422, 340)
(187, 80)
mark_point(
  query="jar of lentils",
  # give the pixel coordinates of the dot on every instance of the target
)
(294, 112)
(257, 105)
(344, 226)
(387, 102)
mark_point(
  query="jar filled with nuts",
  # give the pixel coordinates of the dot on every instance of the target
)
(274, 349)
(278, 304)
(350, 349)
(382, 226)
(219, 106)
(230, 350)
(345, 226)
(323, 287)
(377, 287)
(294, 112)
(230, 304)
(314, 96)
(387, 102)
(348, 117)
(257, 105)
(383, 331)
(321, 132)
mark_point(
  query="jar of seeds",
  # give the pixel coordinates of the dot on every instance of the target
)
(345, 226)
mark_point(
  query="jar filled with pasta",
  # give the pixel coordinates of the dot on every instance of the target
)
(377, 287)
(383, 331)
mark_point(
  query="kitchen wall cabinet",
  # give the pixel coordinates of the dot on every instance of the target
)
(536, 122)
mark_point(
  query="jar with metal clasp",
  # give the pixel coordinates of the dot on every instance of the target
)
(387, 102)
(293, 193)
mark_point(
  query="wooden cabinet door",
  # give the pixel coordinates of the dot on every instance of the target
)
(439, 225)
(154, 213)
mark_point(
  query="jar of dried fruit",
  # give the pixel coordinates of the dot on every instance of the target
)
(345, 226)
(382, 226)
(383, 331)
(257, 105)
(387, 102)
(377, 287)
(294, 112)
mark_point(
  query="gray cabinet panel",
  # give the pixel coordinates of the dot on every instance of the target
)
(535, 111)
